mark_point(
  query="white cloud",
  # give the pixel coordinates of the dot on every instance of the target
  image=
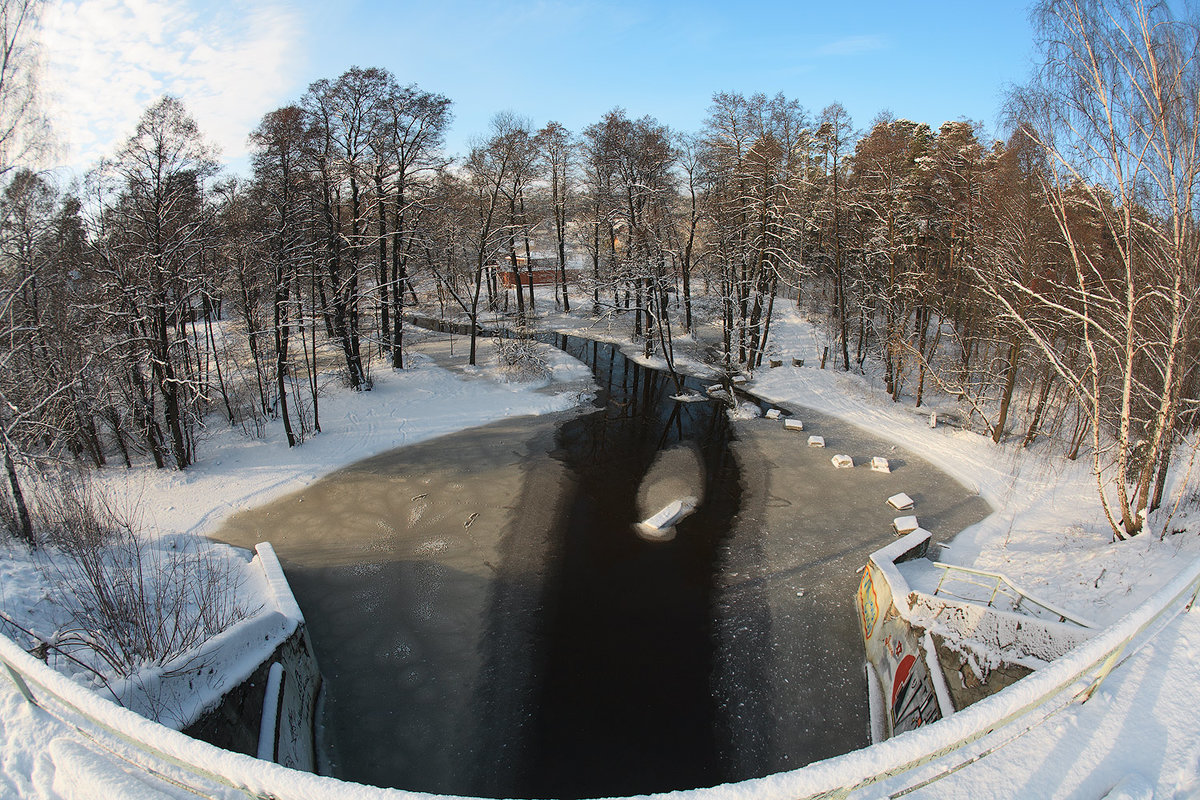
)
(852, 46)
(104, 61)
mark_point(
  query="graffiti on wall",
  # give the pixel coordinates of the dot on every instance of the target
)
(868, 605)
(895, 653)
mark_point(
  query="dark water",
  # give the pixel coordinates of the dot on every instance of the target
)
(620, 697)
(625, 703)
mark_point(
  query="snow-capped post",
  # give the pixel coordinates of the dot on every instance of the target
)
(22, 686)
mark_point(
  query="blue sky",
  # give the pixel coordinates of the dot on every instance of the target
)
(569, 61)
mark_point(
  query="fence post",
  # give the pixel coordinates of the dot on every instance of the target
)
(1105, 668)
(22, 687)
(1192, 601)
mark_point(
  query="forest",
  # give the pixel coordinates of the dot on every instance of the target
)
(1047, 279)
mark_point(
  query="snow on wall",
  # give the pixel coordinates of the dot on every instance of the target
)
(285, 601)
(1003, 636)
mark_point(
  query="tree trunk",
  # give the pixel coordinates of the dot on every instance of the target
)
(560, 230)
(1010, 380)
(528, 256)
(14, 485)
(381, 221)
(399, 275)
(281, 348)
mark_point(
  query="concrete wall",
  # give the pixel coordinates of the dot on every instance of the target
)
(237, 722)
(897, 657)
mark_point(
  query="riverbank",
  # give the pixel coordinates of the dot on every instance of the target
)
(451, 559)
(436, 396)
(1047, 534)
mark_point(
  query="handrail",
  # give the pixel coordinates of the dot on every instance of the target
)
(1016, 592)
(890, 768)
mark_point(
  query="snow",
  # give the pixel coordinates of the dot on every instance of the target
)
(405, 407)
(661, 526)
(672, 512)
(1135, 737)
(42, 758)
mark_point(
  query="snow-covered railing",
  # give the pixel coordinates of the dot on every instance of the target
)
(995, 584)
(906, 762)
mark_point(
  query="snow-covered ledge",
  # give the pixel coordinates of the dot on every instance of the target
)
(911, 759)
(179, 693)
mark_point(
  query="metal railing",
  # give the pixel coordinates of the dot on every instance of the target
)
(995, 584)
(898, 766)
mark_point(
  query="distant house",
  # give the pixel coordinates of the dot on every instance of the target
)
(543, 273)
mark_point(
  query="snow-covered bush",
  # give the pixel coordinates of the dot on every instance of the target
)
(132, 601)
(521, 360)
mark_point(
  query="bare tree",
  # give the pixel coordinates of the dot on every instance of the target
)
(159, 222)
(415, 126)
(1115, 110)
(489, 174)
(281, 142)
(24, 130)
(558, 152)
(345, 116)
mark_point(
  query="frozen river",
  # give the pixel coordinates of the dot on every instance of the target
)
(490, 624)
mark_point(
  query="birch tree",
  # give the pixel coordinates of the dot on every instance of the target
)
(1115, 110)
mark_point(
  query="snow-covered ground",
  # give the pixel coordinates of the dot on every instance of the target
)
(1048, 534)
(234, 472)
